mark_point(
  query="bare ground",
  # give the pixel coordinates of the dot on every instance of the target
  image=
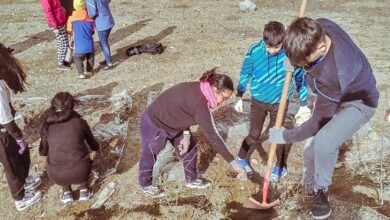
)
(198, 35)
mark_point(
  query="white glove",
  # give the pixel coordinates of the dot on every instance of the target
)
(185, 142)
(238, 106)
(302, 115)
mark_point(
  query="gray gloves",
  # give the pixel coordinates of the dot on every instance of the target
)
(276, 135)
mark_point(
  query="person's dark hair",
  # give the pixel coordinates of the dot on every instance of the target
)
(11, 71)
(61, 110)
(302, 39)
(273, 33)
(218, 80)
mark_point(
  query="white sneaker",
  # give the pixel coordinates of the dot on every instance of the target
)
(153, 191)
(29, 199)
(198, 184)
(66, 197)
(85, 194)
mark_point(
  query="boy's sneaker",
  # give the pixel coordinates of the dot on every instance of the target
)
(198, 184)
(85, 194)
(153, 191)
(321, 207)
(278, 173)
(67, 197)
(102, 63)
(245, 165)
(63, 67)
(88, 74)
(32, 183)
(28, 200)
(82, 76)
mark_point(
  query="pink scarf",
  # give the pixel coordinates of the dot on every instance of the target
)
(207, 91)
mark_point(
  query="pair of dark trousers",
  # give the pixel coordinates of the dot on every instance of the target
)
(79, 60)
(66, 175)
(16, 166)
(259, 112)
(153, 140)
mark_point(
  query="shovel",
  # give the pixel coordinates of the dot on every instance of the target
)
(253, 203)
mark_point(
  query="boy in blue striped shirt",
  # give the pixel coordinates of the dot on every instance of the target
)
(263, 67)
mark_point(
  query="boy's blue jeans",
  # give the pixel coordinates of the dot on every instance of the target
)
(321, 151)
(103, 38)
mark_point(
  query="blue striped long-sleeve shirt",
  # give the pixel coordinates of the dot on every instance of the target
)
(266, 76)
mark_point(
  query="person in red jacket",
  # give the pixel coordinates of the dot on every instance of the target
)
(56, 19)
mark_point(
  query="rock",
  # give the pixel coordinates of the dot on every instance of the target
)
(247, 5)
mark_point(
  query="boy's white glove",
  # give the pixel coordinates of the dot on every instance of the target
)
(302, 115)
(238, 106)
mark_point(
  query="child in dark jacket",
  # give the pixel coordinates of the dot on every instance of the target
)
(263, 68)
(64, 135)
(82, 29)
(14, 152)
(347, 97)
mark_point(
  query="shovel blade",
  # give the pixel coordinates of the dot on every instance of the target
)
(253, 204)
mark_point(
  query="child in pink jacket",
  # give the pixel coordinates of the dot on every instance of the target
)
(56, 19)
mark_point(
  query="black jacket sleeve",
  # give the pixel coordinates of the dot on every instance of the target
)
(324, 110)
(206, 124)
(43, 146)
(93, 144)
(13, 130)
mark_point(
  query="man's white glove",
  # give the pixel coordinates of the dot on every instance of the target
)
(238, 106)
(302, 115)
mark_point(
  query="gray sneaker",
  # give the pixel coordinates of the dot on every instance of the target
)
(153, 191)
(198, 184)
(85, 194)
(67, 197)
(29, 199)
(32, 183)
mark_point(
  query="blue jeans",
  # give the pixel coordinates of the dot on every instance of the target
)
(103, 38)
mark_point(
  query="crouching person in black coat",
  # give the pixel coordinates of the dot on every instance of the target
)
(64, 135)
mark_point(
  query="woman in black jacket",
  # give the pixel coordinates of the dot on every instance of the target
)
(63, 137)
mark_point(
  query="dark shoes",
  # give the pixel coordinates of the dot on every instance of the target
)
(321, 207)
(63, 67)
(108, 67)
